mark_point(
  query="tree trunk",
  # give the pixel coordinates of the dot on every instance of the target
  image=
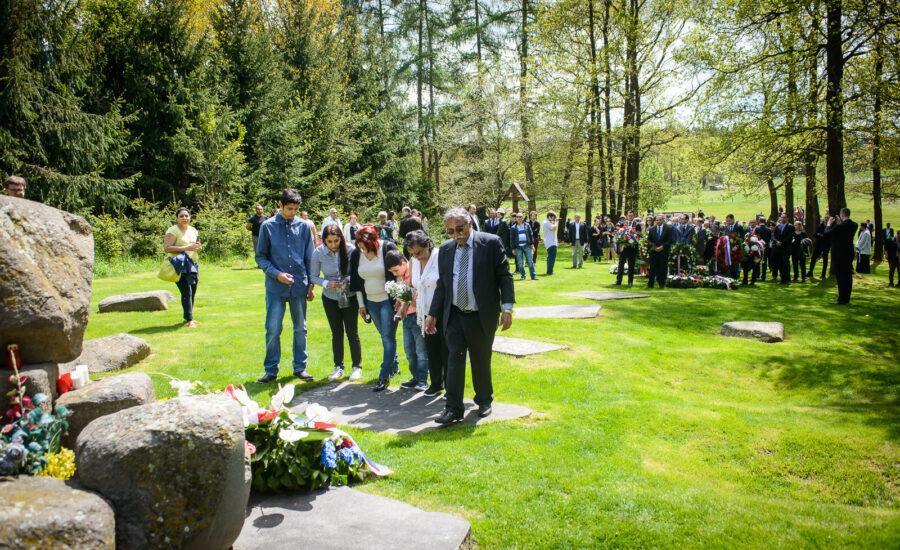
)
(423, 172)
(632, 169)
(479, 124)
(834, 105)
(812, 114)
(524, 114)
(436, 159)
(614, 206)
(876, 138)
(773, 197)
(594, 132)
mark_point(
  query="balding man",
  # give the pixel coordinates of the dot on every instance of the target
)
(15, 186)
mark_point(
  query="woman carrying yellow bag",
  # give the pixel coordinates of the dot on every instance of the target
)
(183, 246)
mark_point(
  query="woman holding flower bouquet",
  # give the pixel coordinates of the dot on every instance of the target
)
(368, 276)
(413, 339)
(330, 269)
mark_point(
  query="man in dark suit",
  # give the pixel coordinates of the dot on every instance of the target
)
(578, 232)
(491, 224)
(842, 233)
(660, 236)
(765, 234)
(474, 289)
(821, 248)
(732, 226)
(503, 232)
(782, 238)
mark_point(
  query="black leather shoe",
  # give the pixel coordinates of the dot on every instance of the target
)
(303, 375)
(381, 385)
(448, 417)
(484, 412)
(433, 391)
(266, 378)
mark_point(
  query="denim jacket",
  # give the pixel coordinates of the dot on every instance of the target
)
(285, 246)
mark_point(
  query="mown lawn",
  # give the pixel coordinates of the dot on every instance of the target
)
(650, 430)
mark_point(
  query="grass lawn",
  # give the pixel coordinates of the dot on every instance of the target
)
(650, 431)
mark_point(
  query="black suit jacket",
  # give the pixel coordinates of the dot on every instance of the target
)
(584, 232)
(664, 239)
(784, 233)
(842, 240)
(492, 282)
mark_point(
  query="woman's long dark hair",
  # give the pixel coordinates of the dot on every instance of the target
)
(343, 253)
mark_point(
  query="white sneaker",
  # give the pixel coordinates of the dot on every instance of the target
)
(356, 374)
(336, 374)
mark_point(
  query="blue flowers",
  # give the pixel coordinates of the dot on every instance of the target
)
(347, 455)
(329, 455)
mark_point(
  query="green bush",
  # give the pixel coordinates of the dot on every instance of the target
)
(223, 234)
(147, 228)
(109, 233)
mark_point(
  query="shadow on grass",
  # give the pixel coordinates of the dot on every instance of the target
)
(159, 329)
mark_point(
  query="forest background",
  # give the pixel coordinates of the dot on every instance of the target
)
(121, 110)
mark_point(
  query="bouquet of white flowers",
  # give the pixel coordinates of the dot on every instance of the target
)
(398, 291)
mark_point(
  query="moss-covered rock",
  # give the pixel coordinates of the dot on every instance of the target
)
(175, 472)
(42, 512)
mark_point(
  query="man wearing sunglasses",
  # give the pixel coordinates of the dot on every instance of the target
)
(474, 294)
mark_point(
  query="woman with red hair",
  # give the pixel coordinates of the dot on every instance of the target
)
(368, 276)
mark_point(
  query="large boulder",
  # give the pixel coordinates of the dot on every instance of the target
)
(110, 353)
(40, 379)
(764, 331)
(43, 512)
(175, 472)
(155, 300)
(47, 261)
(104, 397)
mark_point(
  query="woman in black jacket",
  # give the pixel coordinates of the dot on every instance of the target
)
(368, 276)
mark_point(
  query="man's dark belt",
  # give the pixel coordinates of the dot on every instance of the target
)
(463, 312)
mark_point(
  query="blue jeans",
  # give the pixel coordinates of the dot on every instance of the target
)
(383, 318)
(275, 307)
(414, 346)
(551, 259)
(520, 262)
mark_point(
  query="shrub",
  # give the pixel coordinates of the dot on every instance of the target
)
(109, 232)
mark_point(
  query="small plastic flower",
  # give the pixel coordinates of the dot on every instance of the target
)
(284, 396)
(60, 465)
(249, 449)
(329, 456)
(291, 435)
(317, 413)
(15, 453)
(184, 387)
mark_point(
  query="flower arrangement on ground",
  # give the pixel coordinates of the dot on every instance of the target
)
(721, 282)
(289, 451)
(684, 281)
(31, 437)
(682, 258)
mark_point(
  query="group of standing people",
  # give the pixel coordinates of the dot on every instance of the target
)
(451, 302)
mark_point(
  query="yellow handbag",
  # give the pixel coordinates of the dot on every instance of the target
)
(167, 271)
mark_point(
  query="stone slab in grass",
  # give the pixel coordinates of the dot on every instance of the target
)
(110, 353)
(343, 518)
(519, 347)
(395, 410)
(558, 312)
(606, 295)
(764, 331)
(155, 300)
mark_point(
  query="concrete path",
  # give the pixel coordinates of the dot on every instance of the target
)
(605, 295)
(394, 410)
(342, 519)
(519, 347)
(557, 312)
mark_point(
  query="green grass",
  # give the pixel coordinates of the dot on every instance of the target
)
(649, 431)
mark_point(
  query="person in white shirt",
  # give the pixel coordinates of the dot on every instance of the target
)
(864, 251)
(551, 242)
(476, 225)
(331, 219)
(424, 266)
(350, 228)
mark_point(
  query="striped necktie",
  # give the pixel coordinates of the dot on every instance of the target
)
(462, 281)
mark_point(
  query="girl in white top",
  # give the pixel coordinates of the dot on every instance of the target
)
(424, 266)
(864, 248)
